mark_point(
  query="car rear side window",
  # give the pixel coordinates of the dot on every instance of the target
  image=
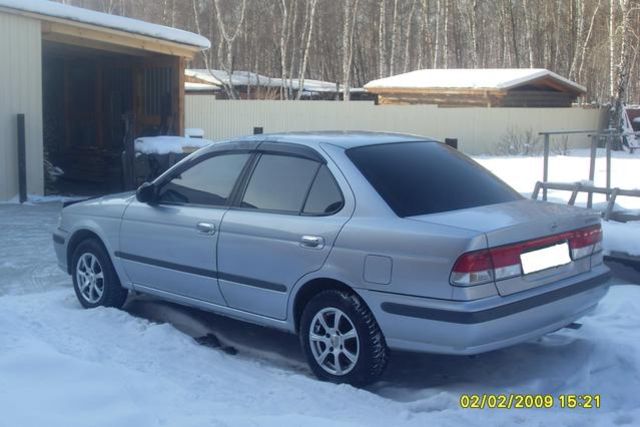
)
(209, 182)
(417, 178)
(280, 183)
(324, 197)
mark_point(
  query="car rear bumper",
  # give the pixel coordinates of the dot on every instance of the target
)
(472, 327)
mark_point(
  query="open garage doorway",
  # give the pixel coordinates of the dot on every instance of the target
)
(96, 101)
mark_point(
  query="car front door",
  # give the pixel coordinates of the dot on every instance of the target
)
(169, 246)
(282, 227)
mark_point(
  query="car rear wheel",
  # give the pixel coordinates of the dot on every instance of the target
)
(341, 339)
(94, 279)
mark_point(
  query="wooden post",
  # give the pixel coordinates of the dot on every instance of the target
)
(22, 160)
(592, 167)
(128, 154)
(611, 204)
(180, 97)
(608, 164)
(545, 167)
(536, 191)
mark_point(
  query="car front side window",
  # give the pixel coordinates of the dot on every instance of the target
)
(209, 182)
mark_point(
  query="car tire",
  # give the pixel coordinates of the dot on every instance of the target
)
(356, 342)
(94, 279)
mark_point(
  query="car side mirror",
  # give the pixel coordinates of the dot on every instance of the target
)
(147, 193)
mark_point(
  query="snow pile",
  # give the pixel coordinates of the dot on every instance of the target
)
(168, 144)
(465, 78)
(57, 10)
(621, 237)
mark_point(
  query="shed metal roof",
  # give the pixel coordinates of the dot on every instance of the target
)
(463, 78)
(52, 9)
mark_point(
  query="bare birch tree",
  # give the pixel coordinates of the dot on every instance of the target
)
(394, 37)
(445, 43)
(436, 48)
(229, 38)
(527, 27)
(382, 41)
(306, 39)
(309, 20)
(350, 14)
(407, 41)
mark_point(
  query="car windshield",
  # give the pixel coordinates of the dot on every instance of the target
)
(417, 178)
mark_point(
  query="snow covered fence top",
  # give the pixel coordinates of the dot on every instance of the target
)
(169, 144)
(72, 13)
(463, 78)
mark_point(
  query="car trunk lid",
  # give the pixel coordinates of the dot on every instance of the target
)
(538, 226)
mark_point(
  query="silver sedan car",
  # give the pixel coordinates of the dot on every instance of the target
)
(359, 242)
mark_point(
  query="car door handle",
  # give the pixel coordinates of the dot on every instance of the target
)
(312, 242)
(206, 227)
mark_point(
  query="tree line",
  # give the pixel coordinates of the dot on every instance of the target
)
(351, 42)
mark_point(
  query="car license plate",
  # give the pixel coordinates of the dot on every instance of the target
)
(542, 259)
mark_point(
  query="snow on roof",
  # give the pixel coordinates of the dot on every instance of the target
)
(238, 78)
(78, 14)
(199, 87)
(311, 85)
(464, 78)
(248, 78)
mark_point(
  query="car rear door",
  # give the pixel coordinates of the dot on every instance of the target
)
(170, 246)
(282, 227)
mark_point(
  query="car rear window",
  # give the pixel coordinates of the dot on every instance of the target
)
(417, 178)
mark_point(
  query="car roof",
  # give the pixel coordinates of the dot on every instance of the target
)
(344, 139)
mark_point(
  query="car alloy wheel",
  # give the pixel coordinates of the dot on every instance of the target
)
(90, 278)
(334, 341)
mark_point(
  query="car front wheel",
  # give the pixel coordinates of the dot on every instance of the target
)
(341, 339)
(94, 278)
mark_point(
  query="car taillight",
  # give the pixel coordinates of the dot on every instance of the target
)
(473, 268)
(585, 242)
(477, 268)
(503, 262)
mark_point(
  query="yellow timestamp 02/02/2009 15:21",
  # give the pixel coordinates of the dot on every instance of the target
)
(530, 401)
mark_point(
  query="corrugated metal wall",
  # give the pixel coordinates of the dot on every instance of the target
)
(479, 130)
(20, 92)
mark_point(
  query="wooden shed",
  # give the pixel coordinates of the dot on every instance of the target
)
(509, 87)
(85, 81)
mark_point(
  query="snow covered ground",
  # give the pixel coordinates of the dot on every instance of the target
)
(522, 172)
(61, 365)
